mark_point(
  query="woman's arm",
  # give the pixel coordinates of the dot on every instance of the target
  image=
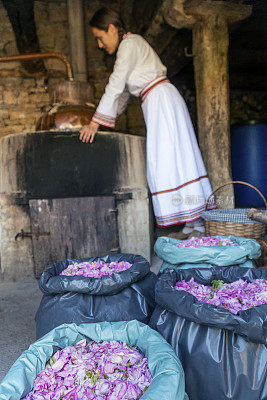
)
(126, 60)
(123, 102)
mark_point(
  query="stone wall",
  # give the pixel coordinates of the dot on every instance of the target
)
(23, 95)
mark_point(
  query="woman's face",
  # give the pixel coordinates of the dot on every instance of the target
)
(109, 40)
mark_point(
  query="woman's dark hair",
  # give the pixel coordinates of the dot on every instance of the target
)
(104, 17)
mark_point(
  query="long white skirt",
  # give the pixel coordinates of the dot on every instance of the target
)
(176, 174)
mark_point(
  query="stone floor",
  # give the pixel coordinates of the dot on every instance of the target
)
(18, 304)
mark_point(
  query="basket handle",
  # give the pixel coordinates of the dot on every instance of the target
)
(229, 183)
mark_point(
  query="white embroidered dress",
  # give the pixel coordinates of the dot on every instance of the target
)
(175, 171)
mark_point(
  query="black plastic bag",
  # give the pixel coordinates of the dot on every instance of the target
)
(121, 296)
(223, 355)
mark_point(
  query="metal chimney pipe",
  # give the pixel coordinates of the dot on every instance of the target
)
(77, 39)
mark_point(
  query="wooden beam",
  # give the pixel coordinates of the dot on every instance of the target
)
(77, 39)
(231, 11)
(209, 21)
(185, 13)
(175, 15)
(210, 49)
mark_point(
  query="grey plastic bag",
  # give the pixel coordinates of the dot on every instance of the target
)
(121, 296)
(207, 257)
(168, 376)
(223, 355)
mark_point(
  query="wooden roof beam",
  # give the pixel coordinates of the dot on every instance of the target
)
(232, 12)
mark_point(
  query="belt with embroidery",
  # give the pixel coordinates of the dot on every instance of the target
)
(151, 85)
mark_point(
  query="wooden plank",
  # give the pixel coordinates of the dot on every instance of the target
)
(82, 227)
(79, 227)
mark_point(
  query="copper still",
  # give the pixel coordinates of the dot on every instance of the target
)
(72, 106)
(71, 102)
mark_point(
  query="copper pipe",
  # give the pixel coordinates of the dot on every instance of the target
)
(34, 56)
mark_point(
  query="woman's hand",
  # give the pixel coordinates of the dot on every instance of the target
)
(88, 132)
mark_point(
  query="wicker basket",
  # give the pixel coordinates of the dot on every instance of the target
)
(232, 221)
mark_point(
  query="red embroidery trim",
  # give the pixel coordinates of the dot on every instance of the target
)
(103, 123)
(179, 187)
(144, 88)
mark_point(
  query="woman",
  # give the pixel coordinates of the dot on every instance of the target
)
(175, 171)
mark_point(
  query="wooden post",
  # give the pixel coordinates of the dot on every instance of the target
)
(210, 50)
(77, 39)
(209, 21)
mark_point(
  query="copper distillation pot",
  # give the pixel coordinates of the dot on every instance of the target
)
(72, 106)
(71, 102)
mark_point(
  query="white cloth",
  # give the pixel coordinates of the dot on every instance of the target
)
(176, 174)
(175, 171)
(136, 65)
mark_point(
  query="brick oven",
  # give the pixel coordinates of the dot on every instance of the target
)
(61, 198)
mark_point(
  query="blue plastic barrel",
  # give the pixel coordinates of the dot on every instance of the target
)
(249, 162)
